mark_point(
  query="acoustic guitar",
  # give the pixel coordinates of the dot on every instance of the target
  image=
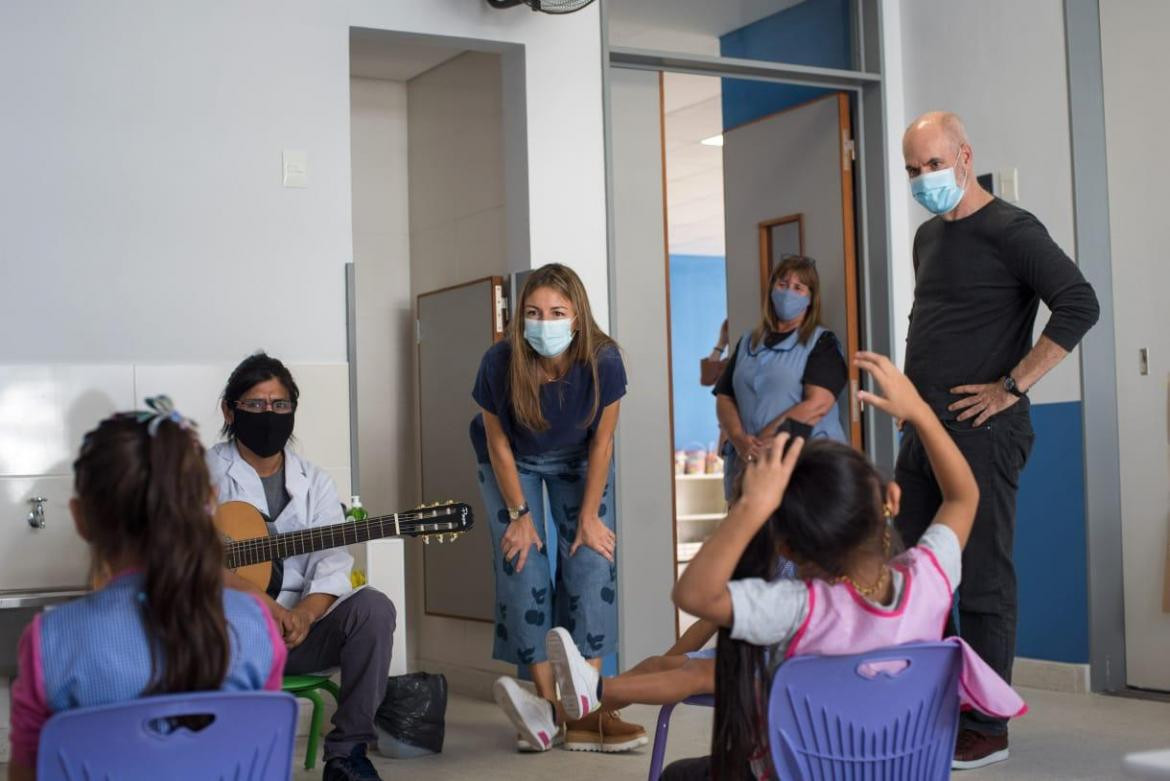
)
(250, 550)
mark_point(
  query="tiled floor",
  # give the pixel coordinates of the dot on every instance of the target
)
(1064, 737)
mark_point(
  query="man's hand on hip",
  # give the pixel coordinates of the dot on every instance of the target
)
(982, 402)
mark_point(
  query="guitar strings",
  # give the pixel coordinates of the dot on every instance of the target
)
(243, 552)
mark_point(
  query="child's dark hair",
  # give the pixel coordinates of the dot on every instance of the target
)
(832, 508)
(253, 370)
(147, 496)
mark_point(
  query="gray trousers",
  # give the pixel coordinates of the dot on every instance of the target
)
(357, 637)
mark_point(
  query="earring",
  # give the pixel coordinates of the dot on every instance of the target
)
(887, 542)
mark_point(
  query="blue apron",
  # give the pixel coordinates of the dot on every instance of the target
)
(769, 381)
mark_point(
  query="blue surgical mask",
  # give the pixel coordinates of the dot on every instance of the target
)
(937, 191)
(789, 304)
(550, 338)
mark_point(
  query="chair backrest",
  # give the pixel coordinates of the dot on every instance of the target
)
(204, 736)
(891, 713)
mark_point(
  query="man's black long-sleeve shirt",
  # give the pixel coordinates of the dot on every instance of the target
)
(978, 284)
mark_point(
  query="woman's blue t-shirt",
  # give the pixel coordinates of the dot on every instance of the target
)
(565, 403)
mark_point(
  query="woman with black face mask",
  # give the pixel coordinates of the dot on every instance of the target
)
(324, 621)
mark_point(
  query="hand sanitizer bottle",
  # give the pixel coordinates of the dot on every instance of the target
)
(356, 512)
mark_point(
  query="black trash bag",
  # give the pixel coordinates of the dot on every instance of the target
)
(411, 718)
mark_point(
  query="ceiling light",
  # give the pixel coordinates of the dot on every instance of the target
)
(713, 140)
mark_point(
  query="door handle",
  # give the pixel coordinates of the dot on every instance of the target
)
(1144, 361)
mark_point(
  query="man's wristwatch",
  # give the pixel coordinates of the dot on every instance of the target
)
(1009, 385)
(518, 513)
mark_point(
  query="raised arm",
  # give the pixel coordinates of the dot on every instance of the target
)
(900, 398)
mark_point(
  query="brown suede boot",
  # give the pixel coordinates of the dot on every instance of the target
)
(603, 731)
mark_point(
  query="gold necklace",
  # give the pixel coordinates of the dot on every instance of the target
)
(879, 585)
(869, 591)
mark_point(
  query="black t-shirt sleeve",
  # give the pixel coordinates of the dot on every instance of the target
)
(724, 385)
(826, 368)
(1039, 263)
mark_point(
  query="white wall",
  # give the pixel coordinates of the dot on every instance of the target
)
(646, 535)
(143, 219)
(381, 252)
(384, 325)
(1000, 64)
(1134, 70)
(563, 113)
(458, 233)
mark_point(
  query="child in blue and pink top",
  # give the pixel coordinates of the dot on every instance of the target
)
(163, 621)
(824, 506)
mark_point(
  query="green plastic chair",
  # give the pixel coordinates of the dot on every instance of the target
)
(309, 686)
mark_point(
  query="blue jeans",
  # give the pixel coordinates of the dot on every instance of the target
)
(528, 603)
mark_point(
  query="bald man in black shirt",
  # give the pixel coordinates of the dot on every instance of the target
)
(982, 266)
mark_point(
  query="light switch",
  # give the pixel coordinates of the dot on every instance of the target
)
(1009, 185)
(296, 168)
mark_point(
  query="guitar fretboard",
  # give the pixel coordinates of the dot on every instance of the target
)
(448, 518)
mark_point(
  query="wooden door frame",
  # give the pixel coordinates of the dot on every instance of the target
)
(765, 229)
(852, 302)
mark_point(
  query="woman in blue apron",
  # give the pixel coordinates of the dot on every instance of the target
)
(790, 366)
(549, 395)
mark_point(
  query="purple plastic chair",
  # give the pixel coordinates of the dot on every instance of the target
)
(891, 713)
(206, 736)
(661, 732)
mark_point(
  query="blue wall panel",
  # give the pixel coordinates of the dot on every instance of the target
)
(815, 32)
(1050, 550)
(698, 305)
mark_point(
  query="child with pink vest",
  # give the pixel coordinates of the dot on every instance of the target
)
(824, 506)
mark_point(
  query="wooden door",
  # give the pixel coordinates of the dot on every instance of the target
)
(455, 327)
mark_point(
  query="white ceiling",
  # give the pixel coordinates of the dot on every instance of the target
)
(376, 54)
(694, 171)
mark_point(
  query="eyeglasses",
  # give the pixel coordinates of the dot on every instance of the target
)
(280, 406)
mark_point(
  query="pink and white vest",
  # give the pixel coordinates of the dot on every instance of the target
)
(840, 622)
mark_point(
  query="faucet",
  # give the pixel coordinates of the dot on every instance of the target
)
(36, 516)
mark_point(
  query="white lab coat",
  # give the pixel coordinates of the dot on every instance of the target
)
(313, 502)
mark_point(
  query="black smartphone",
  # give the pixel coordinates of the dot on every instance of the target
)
(795, 429)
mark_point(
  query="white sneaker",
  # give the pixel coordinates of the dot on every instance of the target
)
(531, 715)
(576, 678)
(524, 747)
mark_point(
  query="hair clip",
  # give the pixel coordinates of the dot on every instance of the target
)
(162, 408)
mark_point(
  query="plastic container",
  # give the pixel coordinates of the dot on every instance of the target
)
(356, 512)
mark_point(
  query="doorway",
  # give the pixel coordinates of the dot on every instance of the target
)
(1139, 235)
(738, 199)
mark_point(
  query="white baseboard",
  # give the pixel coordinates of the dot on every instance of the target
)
(1051, 676)
(475, 682)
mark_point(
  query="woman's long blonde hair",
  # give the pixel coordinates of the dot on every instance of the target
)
(806, 271)
(525, 374)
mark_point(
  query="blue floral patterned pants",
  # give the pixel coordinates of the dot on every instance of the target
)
(583, 598)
